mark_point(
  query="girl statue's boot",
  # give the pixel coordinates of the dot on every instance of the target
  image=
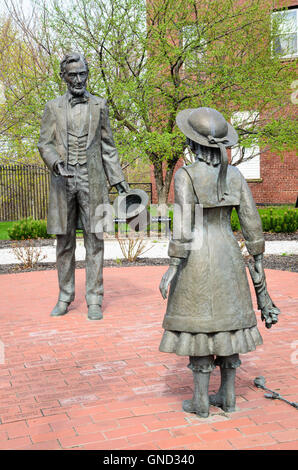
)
(201, 368)
(225, 398)
(200, 401)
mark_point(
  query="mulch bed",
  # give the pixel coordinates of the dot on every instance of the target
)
(32, 242)
(279, 262)
(275, 236)
(50, 241)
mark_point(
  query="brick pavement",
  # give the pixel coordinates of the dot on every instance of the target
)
(71, 383)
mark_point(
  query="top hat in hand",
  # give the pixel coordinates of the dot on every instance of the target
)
(132, 207)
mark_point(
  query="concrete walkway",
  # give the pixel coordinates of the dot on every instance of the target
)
(154, 248)
(71, 383)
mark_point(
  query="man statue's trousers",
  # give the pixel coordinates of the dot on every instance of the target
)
(77, 190)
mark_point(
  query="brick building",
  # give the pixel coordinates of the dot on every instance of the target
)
(272, 179)
(277, 184)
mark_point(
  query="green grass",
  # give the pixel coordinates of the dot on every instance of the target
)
(263, 210)
(278, 210)
(4, 226)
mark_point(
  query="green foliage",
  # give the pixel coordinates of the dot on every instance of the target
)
(27, 229)
(279, 220)
(171, 215)
(151, 59)
(235, 225)
(121, 227)
(29, 76)
(274, 219)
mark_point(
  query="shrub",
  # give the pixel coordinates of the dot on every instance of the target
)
(235, 221)
(28, 228)
(171, 215)
(277, 219)
(132, 247)
(28, 255)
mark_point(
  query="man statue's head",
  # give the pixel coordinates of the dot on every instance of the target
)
(74, 70)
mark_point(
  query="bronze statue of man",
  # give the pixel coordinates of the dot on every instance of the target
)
(77, 145)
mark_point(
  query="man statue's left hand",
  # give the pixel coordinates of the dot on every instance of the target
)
(122, 187)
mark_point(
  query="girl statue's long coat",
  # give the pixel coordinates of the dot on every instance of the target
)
(210, 292)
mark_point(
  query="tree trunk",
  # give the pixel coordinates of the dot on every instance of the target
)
(163, 177)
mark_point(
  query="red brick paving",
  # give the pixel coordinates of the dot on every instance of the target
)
(71, 383)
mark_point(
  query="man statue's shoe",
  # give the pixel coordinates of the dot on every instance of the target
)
(94, 312)
(61, 308)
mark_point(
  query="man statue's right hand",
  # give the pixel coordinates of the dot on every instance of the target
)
(59, 170)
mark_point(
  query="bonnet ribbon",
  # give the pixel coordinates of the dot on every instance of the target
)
(222, 188)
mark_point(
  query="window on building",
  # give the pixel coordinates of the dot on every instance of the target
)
(248, 157)
(188, 157)
(2, 94)
(285, 24)
(193, 43)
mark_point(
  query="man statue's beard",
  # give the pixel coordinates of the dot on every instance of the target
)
(77, 91)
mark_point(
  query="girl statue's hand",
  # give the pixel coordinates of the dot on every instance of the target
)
(269, 311)
(166, 280)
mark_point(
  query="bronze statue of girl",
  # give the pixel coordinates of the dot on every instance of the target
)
(210, 315)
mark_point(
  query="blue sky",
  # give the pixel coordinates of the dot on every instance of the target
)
(26, 5)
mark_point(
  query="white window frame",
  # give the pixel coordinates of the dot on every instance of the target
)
(200, 54)
(251, 168)
(286, 32)
(188, 157)
(2, 94)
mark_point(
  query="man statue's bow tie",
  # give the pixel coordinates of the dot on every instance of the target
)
(78, 99)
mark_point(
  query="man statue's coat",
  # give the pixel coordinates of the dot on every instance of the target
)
(102, 160)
